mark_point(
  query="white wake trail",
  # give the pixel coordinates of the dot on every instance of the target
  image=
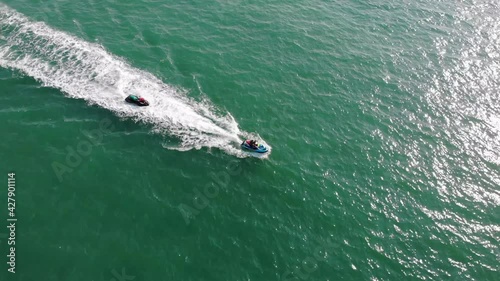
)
(87, 71)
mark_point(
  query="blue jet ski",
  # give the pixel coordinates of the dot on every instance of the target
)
(253, 146)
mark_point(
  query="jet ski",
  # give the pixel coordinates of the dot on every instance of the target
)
(137, 100)
(257, 147)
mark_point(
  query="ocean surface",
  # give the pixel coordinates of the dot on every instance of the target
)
(382, 116)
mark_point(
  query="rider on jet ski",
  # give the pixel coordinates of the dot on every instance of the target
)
(140, 101)
(253, 144)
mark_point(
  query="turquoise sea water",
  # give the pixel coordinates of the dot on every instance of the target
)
(382, 116)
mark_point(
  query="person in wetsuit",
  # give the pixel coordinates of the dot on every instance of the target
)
(253, 144)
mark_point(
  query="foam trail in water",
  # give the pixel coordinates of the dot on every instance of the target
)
(86, 70)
